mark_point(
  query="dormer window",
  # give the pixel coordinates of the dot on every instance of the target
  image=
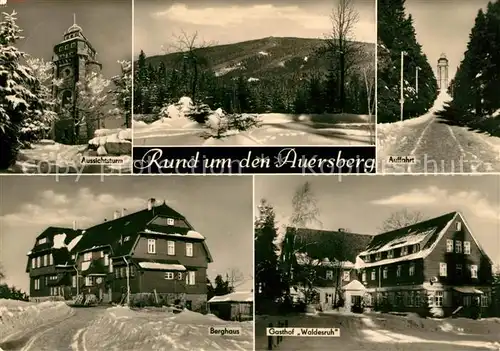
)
(170, 221)
(416, 248)
(42, 241)
(367, 258)
(404, 251)
(378, 256)
(390, 254)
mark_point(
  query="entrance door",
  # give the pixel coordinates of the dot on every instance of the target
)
(189, 304)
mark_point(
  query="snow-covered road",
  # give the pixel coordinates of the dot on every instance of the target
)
(435, 146)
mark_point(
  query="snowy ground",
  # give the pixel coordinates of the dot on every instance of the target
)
(384, 332)
(18, 317)
(436, 146)
(48, 157)
(124, 329)
(274, 129)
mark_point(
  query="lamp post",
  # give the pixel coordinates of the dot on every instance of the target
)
(416, 79)
(401, 98)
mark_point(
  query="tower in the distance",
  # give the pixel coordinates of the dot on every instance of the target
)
(74, 59)
(442, 72)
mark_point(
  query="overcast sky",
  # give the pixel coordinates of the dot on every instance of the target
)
(106, 24)
(362, 203)
(444, 27)
(219, 207)
(222, 22)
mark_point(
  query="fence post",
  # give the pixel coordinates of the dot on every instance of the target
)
(280, 337)
(270, 339)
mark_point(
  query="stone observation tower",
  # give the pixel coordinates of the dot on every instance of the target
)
(74, 59)
(442, 72)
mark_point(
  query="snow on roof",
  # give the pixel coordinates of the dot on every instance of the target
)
(304, 259)
(162, 266)
(412, 238)
(73, 242)
(241, 296)
(86, 265)
(58, 241)
(190, 234)
(354, 285)
(29, 253)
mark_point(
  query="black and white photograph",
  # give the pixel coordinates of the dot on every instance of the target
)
(437, 84)
(66, 105)
(128, 263)
(254, 73)
(391, 262)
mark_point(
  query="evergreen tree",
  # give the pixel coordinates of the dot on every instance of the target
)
(267, 276)
(396, 34)
(221, 286)
(122, 92)
(17, 101)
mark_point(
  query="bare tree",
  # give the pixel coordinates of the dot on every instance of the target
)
(2, 274)
(191, 47)
(305, 212)
(234, 277)
(401, 219)
(340, 41)
(369, 75)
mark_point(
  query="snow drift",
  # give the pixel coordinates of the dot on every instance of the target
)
(126, 329)
(17, 317)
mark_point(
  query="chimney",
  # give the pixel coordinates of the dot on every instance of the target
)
(124, 212)
(341, 230)
(74, 225)
(151, 204)
(116, 215)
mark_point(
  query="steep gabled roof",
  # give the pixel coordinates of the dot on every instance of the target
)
(425, 232)
(110, 233)
(59, 242)
(339, 245)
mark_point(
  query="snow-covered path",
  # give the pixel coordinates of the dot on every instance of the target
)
(436, 146)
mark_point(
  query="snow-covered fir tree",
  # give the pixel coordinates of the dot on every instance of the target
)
(122, 93)
(18, 101)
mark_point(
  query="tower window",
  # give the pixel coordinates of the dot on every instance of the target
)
(66, 97)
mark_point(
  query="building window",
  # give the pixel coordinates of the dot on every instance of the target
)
(102, 254)
(179, 276)
(390, 254)
(151, 246)
(132, 271)
(467, 300)
(110, 266)
(73, 281)
(467, 247)
(411, 271)
(33, 263)
(449, 245)
(378, 256)
(473, 271)
(117, 273)
(87, 256)
(459, 226)
(123, 272)
(458, 246)
(416, 248)
(438, 299)
(442, 269)
(363, 276)
(346, 276)
(374, 275)
(404, 251)
(484, 300)
(169, 275)
(42, 241)
(398, 271)
(458, 270)
(106, 259)
(329, 275)
(367, 258)
(190, 277)
(417, 298)
(171, 247)
(189, 249)
(127, 238)
(51, 260)
(73, 256)
(384, 273)
(37, 284)
(170, 221)
(88, 281)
